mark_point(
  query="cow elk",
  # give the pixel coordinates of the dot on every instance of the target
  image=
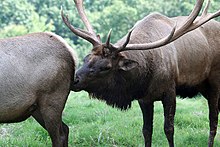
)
(158, 59)
(36, 72)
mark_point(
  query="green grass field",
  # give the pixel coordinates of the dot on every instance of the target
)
(94, 124)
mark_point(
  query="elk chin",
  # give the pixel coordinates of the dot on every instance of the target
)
(75, 88)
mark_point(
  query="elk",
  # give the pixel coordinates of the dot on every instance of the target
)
(36, 72)
(157, 60)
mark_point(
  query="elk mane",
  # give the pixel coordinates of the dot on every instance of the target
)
(118, 92)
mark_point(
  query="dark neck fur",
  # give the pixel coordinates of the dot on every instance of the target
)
(119, 91)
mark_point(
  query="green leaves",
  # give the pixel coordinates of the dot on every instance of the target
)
(25, 16)
(19, 17)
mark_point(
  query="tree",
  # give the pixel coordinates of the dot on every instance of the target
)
(19, 17)
(25, 16)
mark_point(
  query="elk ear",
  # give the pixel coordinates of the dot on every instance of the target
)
(126, 64)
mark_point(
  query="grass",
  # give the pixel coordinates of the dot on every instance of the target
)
(94, 124)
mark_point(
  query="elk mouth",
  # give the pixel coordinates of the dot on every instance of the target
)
(77, 85)
(75, 82)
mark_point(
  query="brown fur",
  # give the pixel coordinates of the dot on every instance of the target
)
(185, 67)
(36, 71)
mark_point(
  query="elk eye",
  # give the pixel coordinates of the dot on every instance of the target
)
(105, 68)
(91, 70)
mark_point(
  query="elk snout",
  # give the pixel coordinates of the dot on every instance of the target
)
(76, 80)
(74, 84)
(77, 84)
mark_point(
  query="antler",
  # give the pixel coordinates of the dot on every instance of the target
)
(189, 25)
(88, 35)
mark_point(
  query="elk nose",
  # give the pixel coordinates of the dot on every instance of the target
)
(76, 80)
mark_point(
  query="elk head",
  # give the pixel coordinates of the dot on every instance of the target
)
(105, 69)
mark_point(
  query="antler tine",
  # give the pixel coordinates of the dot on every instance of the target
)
(206, 8)
(84, 34)
(205, 16)
(123, 46)
(80, 9)
(87, 35)
(192, 16)
(189, 21)
(155, 44)
(117, 49)
(127, 40)
(190, 24)
(108, 38)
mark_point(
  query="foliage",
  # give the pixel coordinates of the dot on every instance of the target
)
(19, 17)
(93, 123)
(25, 16)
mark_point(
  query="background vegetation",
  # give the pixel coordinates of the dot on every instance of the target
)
(91, 122)
(26, 16)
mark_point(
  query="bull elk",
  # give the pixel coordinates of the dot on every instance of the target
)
(36, 72)
(158, 59)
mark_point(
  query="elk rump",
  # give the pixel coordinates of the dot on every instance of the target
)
(36, 71)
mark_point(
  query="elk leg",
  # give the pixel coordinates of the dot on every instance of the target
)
(57, 130)
(49, 115)
(147, 111)
(211, 92)
(38, 117)
(213, 103)
(65, 129)
(169, 105)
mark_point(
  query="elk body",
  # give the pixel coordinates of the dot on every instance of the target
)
(142, 66)
(36, 71)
